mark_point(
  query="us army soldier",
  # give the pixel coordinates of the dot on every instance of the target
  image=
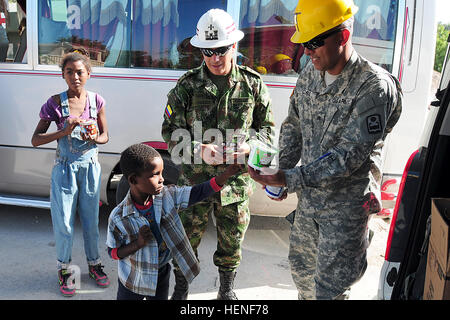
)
(339, 115)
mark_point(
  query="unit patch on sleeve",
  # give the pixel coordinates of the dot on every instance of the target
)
(374, 124)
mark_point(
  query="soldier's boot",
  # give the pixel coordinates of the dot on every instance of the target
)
(181, 289)
(226, 286)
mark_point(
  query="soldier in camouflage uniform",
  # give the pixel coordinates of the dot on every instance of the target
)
(340, 112)
(219, 96)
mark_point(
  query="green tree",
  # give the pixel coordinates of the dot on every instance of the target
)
(441, 45)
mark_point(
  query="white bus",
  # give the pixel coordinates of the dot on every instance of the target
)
(139, 48)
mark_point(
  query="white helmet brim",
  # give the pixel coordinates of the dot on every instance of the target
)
(237, 36)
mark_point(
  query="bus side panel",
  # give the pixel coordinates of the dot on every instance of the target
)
(23, 94)
(418, 63)
(26, 171)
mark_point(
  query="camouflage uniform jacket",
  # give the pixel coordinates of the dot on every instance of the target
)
(338, 133)
(195, 105)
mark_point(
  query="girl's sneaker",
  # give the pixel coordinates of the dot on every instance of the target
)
(66, 285)
(96, 273)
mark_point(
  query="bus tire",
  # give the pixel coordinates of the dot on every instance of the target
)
(170, 174)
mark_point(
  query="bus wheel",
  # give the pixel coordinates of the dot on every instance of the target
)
(171, 173)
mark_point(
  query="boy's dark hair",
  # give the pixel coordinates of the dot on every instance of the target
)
(136, 159)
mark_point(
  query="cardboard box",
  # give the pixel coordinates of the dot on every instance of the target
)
(437, 278)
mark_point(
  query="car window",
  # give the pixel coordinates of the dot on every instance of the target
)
(445, 78)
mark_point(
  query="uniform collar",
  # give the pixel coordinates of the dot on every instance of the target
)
(342, 81)
(235, 75)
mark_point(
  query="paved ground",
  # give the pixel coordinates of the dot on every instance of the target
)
(28, 266)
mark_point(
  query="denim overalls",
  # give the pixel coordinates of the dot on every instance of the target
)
(75, 185)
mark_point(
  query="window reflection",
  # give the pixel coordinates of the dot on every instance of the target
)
(156, 33)
(268, 27)
(123, 33)
(375, 30)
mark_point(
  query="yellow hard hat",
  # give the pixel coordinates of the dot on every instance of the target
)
(261, 69)
(279, 57)
(316, 17)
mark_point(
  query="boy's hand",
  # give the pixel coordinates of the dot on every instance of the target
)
(144, 236)
(230, 171)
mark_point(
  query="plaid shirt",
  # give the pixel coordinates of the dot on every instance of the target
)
(139, 271)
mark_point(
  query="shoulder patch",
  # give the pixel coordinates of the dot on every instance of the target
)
(168, 112)
(374, 124)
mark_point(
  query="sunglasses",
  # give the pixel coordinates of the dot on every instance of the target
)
(319, 41)
(220, 52)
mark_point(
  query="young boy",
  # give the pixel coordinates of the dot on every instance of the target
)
(144, 230)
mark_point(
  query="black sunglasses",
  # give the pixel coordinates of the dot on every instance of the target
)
(319, 41)
(220, 52)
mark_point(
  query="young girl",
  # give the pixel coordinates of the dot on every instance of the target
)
(75, 182)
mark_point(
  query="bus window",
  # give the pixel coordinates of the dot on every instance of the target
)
(268, 27)
(375, 30)
(123, 33)
(162, 30)
(101, 27)
(266, 47)
(13, 36)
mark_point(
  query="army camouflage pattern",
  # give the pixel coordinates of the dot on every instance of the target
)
(338, 133)
(232, 222)
(317, 245)
(245, 105)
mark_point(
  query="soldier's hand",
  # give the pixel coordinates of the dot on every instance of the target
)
(212, 154)
(268, 176)
(238, 155)
(281, 198)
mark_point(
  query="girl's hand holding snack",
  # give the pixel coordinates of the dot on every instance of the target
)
(71, 124)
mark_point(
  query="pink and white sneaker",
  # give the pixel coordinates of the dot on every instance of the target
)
(66, 285)
(96, 273)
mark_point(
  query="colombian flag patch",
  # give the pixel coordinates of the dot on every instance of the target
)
(168, 111)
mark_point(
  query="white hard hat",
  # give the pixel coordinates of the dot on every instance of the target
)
(216, 29)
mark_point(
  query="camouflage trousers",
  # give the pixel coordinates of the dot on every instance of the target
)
(327, 256)
(231, 223)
